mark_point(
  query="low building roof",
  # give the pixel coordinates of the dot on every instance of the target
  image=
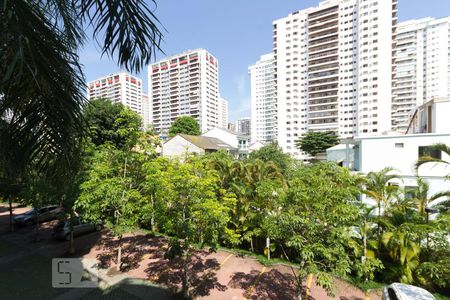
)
(206, 143)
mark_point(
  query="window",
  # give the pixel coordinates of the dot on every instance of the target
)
(399, 145)
(430, 152)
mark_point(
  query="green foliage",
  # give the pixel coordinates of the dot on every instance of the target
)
(41, 80)
(111, 192)
(316, 218)
(316, 142)
(184, 125)
(111, 122)
(272, 152)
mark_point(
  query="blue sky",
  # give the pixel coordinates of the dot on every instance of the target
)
(236, 32)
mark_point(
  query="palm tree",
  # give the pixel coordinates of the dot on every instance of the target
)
(403, 251)
(426, 159)
(41, 80)
(378, 188)
(422, 200)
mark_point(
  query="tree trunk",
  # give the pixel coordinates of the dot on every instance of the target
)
(36, 221)
(251, 244)
(119, 255)
(364, 250)
(71, 242)
(11, 222)
(185, 283)
(152, 219)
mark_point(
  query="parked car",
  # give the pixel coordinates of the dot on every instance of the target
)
(44, 214)
(400, 291)
(62, 230)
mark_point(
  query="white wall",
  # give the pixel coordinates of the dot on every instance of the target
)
(377, 153)
(178, 146)
(223, 135)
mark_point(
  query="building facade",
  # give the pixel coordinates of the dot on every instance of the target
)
(243, 126)
(430, 117)
(186, 84)
(423, 66)
(263, 100)
(334, 67)
(223, 113)
(119, 88)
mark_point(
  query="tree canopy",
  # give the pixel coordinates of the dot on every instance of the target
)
(185, 125)
(272, 152)
(314, 143)
(111, 122)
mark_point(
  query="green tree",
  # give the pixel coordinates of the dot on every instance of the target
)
(111, 193)
(194, 210)
(315, 222)
(42, 83)
(184, 125)
(314, 143)
(272, 152)
(111, 122)
(379, 189)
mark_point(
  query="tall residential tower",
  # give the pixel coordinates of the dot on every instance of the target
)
(423, 66)
(263, 101)
(334, 66)
(186, 84)
(119, 88)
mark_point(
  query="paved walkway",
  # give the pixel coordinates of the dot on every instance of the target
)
(219, 275)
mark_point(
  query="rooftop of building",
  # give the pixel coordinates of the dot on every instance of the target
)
(206, 143)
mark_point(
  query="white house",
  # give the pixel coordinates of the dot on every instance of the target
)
(241, 142)
(182, 144)
(401, 152)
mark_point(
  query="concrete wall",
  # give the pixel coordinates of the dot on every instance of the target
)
(178, 146)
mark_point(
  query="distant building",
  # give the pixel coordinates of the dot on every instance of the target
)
(182, 144)
(145, 110)
(119, 88)
(231, 127)
(431, 117)
(263, 99)
(422, 66)
(186, 84)
(223, 113)
(243, 126)
(334, 67)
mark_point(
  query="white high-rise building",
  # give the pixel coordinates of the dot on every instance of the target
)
(423, 66)
(119, 88)
(334, 67)
(243, 126)
(145, 110)
(186, 84)
(223, 113)
(263, 100)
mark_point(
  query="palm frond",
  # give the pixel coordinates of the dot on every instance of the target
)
(129, 30)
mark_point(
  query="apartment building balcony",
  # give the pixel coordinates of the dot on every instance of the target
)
(323, 48)
(333, 32)
(323, 67)
(326, 107)
(323, 89)
(321, 27)
(322, 81)
(325, 95)
(322, 115)
(323, 74)
(322, 102)
(323, 13)
(324, 123)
